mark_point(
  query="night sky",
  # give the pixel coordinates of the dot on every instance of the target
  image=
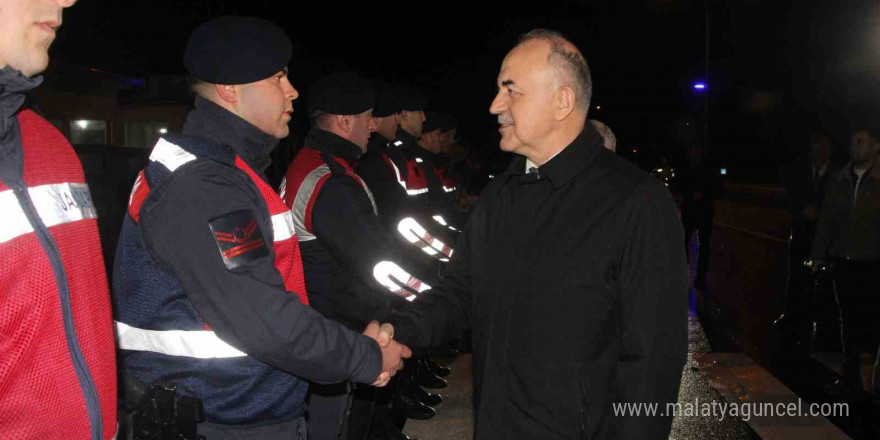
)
(779, 70)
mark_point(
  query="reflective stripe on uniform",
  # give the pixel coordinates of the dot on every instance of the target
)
(397, 280)
(56, 204)
(301, 201)
(416, 234)
(170, 156)
(201, 344)
(282, 226)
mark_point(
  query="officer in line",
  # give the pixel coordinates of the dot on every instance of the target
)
(438, 132)
(354, 273)
(398, 180)
(208, 286)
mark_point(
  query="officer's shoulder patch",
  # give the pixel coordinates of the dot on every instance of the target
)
(239, 238)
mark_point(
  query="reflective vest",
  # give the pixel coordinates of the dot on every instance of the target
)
(57, 354)
(164, 338)
(300, 188)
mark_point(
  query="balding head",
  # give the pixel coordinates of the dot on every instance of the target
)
(567, 62)
(543, 96)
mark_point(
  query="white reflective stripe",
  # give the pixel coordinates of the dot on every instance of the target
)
(301, 202)
(415, 233)
(419, 160)
(282, 226)
(170, 155)
(448, 189)
(414, 192)
(202, 344)
(450, 227)
(394, 278)
(56, 204)
(440, 219)
(398, 143)
(282, 189)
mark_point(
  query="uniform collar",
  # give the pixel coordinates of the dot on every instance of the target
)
(408, 140)
(377, 143)
(209, 120)
(567, 163)
(334, 145)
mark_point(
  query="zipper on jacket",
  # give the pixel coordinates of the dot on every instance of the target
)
(84, 377)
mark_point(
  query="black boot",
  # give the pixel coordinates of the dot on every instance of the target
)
(427, 378)
(437, 369)
(415, 391)
(409, 406)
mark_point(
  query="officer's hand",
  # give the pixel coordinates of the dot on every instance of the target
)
(392, 358)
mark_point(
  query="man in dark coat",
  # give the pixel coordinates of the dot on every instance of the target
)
(570, 270)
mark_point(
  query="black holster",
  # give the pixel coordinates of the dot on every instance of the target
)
(158, 413)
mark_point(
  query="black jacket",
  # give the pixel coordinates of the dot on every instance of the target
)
(339, 264)
(392, 201)
(248, 306)
(575, 282)
(849, 224)
(801, 189)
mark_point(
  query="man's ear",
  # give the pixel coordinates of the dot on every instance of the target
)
(564, 102)
(345, 122)
(228, 93)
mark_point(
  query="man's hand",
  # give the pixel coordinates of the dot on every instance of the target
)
(393, 352)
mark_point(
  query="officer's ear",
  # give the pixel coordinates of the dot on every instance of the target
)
(228, 93)
(345, 122)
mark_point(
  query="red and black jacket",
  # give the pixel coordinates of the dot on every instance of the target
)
(354, 272)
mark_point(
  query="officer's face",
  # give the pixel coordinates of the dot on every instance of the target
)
(361, 127)
(864, 148)
(524, 103)
(412, 122)
(387, 126)
(448, 140)
(27, 29)
(268, 104)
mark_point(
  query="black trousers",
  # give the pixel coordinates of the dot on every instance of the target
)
(292, 430)
(858, 299)
(328, 410)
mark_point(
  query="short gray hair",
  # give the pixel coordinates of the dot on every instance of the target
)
(571, 63)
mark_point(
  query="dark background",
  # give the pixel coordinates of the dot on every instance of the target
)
(779, 70)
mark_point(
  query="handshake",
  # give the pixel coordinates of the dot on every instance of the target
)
(393, 352)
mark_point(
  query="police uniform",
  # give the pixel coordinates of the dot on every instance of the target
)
(208, 280)
(353, 270)
(400, 185)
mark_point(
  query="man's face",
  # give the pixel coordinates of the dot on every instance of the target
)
(820, 151)
(387, 126)
(524, 103)
(268, 104)
(27, 29)
(361, 127)
(864, 148)
(448, 140)
(432, 141)
(412, 122)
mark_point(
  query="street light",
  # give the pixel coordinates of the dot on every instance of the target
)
(700, 86)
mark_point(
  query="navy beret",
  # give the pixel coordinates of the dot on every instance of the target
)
(344, 93)
(387, 102)
(410, 98)
(236, 50)
(433, 121)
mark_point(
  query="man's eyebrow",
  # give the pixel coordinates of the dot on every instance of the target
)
(507, 82)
